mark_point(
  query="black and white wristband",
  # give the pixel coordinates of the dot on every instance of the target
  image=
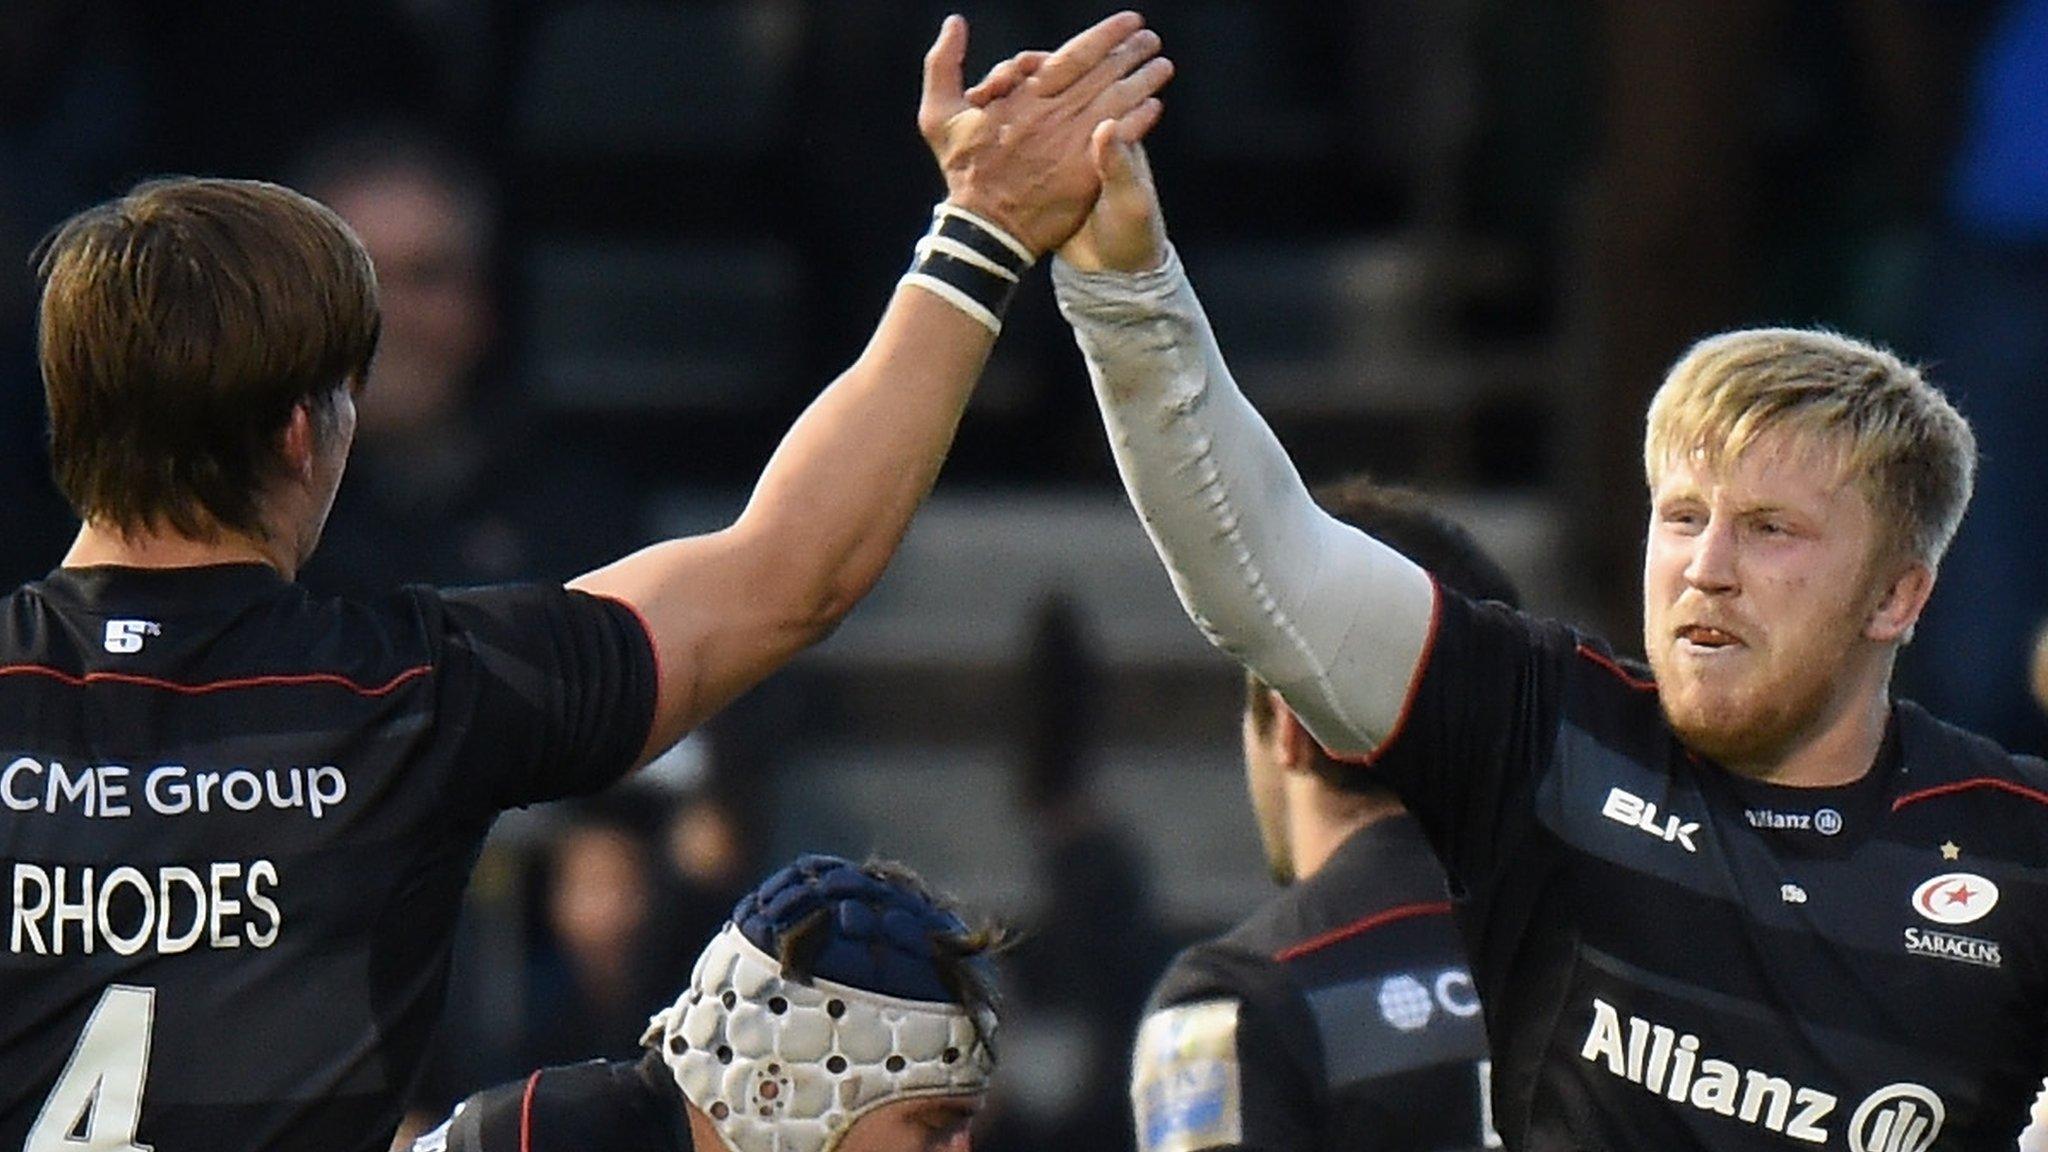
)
(970, 263)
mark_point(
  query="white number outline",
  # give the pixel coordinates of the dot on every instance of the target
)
(102, 1081)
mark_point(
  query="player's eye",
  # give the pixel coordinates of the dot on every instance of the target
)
(1682, 517)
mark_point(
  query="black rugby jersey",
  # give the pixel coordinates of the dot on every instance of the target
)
(596, 1106)
(1340, 1015)
(1675, 958)
(236, 820)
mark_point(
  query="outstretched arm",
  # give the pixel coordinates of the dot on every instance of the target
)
(1335, 620)
(727, 608)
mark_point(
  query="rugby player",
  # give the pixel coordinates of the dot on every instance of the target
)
(843, 1008)
(1342, 1014)
(236, 818)
(1739, 899)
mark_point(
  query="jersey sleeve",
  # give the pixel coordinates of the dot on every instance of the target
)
(1331, 617)
(1224, 1060)
(1478, 731)
(486, 1122)
(550, 692)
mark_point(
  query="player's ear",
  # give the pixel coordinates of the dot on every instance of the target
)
(1900, 605)
(298, 444)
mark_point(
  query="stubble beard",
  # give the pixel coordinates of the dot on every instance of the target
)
(1750, 726)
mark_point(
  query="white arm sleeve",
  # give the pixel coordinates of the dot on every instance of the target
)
(1335, 620)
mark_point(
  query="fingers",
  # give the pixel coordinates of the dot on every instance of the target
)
(1122, 61)
(1112, 162)
(1078, 56)
(1004, 77)
(942, 79)
(1134, 125)
(1124, 96)
(1119, 161)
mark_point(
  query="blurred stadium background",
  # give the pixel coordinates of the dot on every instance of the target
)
(1449, 242)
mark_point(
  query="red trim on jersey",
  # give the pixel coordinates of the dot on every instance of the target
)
(1357, 927)
(1436, 616)
(526, 1112)
(229, 685)
(2020, 790)
(1607, 662)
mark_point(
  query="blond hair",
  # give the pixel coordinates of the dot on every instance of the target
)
(1910, 451)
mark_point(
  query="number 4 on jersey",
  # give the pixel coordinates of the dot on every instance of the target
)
(98, 1099)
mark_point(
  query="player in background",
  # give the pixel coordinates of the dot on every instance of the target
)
(1739, 899)
(236, 818)
(844, 1008)
(1341, 1014)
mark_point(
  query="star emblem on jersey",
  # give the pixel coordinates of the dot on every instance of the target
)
(1950, 851)
(1955, 898)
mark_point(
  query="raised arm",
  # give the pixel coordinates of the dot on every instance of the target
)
(727, 608)
(1335, 620)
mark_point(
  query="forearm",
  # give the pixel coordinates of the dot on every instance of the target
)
(1333, 619)
(727, 608)
(840, 490)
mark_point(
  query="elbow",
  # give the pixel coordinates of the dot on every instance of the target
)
(828, 614)
(821, 609)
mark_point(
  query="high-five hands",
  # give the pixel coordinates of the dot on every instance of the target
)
(1025, 153)
(1125, 231)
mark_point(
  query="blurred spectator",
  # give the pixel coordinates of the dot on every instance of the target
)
(1984, 305)
(72, 114)
(710, 854)
(2037, 679)
(605, 955)
(1087, 960)
(451, 482)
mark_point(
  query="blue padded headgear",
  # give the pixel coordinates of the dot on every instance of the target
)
(821, 1001)
(882, 937)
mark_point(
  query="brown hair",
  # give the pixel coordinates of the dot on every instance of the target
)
(1403, 520)
(180, 325)
(1910, 451)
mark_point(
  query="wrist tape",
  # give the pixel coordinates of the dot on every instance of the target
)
(970, 263)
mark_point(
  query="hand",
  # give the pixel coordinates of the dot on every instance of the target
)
(1021, 158)
(1126, 231)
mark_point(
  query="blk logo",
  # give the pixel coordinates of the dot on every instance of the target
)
(1625, 807)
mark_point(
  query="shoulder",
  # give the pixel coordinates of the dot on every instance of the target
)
(1958, 776)
(1938, 752)
(596, 1106)
(1224, 1001)
(1490, 648)
(1237, 964)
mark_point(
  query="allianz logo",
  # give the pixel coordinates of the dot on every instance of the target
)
(1896, 1118)
(1625, 807)
(1826, 821)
